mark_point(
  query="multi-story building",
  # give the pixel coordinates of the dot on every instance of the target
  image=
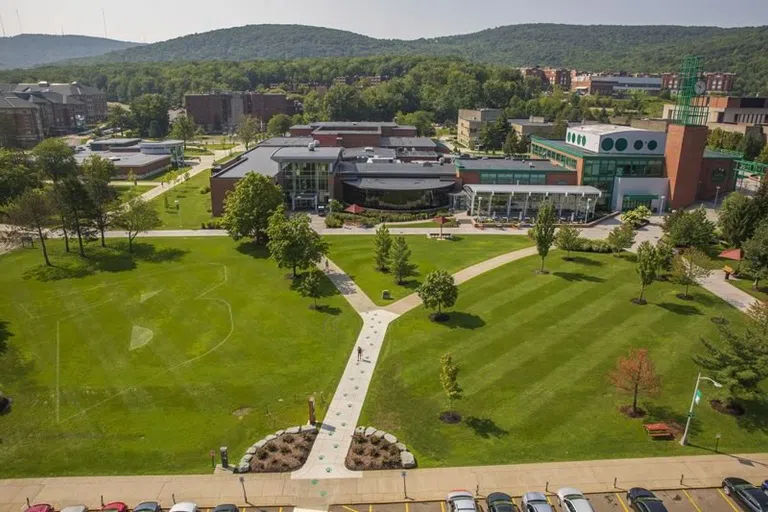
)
(20, 122)
(721, 83)
(551, 76)
(532, 126)
(222, 111)
(614, 85)
(729, 109)
(471, 122)
(93, 100)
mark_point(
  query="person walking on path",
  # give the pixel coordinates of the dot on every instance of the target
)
(359, 353)
(326, 265)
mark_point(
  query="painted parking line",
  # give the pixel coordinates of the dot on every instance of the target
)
(349, 509)
(623, 505)
(691, 500)
(370, 508)
(442, 506)
(406, 506)
(549, 501)
(728, 500)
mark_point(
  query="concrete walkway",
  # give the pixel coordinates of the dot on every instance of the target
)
(717, 285)
(386, 486)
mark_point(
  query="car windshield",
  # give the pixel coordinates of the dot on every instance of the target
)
(759, 496)
(574, 497)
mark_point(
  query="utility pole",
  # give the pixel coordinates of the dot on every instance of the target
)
(104, 20)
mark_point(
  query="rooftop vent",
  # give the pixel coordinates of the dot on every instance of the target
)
(369, 149)
(311, 146)
(530, 164)
(43, 84)
(74, 83)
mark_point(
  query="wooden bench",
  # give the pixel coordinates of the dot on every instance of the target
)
(659, 430)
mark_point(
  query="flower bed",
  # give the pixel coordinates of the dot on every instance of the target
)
(285, 450)
(376, 449)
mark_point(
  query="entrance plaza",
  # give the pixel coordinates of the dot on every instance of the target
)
(519, 202)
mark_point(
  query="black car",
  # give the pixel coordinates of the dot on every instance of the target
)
(643, 500)
(500, 502)
(747, 495)
(147, 506)
(228, 507)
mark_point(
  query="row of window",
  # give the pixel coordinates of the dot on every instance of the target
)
(623, 167)
(513, 178)
(544, 152)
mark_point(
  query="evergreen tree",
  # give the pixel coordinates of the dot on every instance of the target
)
(756, 254)
(737, 218)
(400, 259)
(382, 244)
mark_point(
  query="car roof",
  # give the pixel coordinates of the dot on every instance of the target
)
(566, 491)
(74, 508)
(734, 480)
(147, 505)
(39, 507)
(225, 507)
(494, 496)
(184, 506)
(530, 496)
(540, 506)
(641, 492)
(582, 505)
(503, 506)
(655, 505)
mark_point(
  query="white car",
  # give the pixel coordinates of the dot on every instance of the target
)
(573, 500)
(184, 506)
(461, 501)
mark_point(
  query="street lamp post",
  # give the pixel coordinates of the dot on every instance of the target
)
(684, 439)
(586, 214)
(661, 206)
(717, 195)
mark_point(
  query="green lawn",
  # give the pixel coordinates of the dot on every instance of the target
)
(425, 224)
(125, 192)
(223, 331)
(157, 178)
(745, 282)
(227, 158)
(194, 207)
(354, 254)
(534, 352)
(196, 152)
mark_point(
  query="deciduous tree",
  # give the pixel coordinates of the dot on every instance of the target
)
(248, 130)
(278, 125)
(28, 215)
(382, 244)
(689, 228)
(17, 174)
(118, 117)
(96, 173)
(150, 115)
(689, 267)
(621, 238)
(137, 217)
(76, 207)
(647, 267)
(543, 231)
(292, 242)
(449, 380)
(438, 291)
(184, 128)
(756, 254)
(248, 208)
(636, 375)
(567, 239)
(636, 217)
(311, 286)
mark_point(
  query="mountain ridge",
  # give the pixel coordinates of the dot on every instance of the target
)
(29, 50)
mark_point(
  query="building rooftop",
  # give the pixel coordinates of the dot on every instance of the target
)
(354, 153)
(318, 154)
(562, 147)
(720, 155)
(63, 89)
(403, 183)
(605, 129)
(528, 122)
(122, 159)
(8, 102)
(116, 142)
(499, 164)
(286, 141)
(535, 189)
(396, 169)
(162, 143)
(258, 159)
(407, 142)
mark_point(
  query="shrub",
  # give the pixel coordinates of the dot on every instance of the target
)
(375, 440)
(285, 450)
(288, 438)
(262, 454)
(272, 447)
(589, 245)
(334, 221)
(368, 223)
(636, 217)
(204, 190)
(358, 450)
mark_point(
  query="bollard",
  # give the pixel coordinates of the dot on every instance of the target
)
(102, 501)
(477, 490)
(681, 479)
(173, 497)
(546, 487)
(28, 503)
(614, 482)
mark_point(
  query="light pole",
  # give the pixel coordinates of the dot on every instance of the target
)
(684, 439)
(661, 206)
(586, 214)
(717, 195)
(178, 209)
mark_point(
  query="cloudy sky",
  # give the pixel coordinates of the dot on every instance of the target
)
(157, 20)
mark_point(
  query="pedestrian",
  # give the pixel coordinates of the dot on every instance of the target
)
(326, 264)
(359, 353)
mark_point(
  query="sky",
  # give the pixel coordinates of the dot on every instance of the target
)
(157, 20)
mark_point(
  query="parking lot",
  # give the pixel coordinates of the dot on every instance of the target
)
(683, 500)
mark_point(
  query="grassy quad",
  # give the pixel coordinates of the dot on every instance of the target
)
(534, 353)
(153, 372)
(354, 254)
(194, 207)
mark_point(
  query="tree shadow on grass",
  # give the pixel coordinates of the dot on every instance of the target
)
(329, 310)
(578, 276)
(58, 272)
(680, 309)
(581, 260)
(458, 320)
(755, 417)
(254, 250)
(5, 334)
(485, 427)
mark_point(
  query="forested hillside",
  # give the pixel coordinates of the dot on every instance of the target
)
(593, 47)
(27, 50)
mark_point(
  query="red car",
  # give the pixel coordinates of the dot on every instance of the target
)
(115, 506)
(40, 507)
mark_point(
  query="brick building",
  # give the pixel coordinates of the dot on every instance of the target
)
(20, 122)
(551, 76)
(716, 82)
(93, 101)
(222, 111)
(471, 121)
(614, 85)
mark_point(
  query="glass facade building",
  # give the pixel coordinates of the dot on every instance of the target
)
(305, 182)
(398, 199)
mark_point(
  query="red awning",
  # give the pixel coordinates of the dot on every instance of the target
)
(731, 254)
(355, 209)
(441, 220)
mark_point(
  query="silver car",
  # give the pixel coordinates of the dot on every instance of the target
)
(536, 502)
(573, 500)
(461, 501)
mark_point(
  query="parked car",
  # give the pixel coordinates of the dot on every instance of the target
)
(500, 502)
(184, 506)
(536, 502)
(40, 507)
(115, 506)
(227, 507)
(148, 506)
(75, 508)
(461, 501)
(765, 486)
(573, 500)
(745, 494)
(643, 500)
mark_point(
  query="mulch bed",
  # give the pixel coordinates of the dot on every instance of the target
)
(372, 453)
(627, 411)
(286, 453)
(438, 317)
(727, 407)
(451, 417)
